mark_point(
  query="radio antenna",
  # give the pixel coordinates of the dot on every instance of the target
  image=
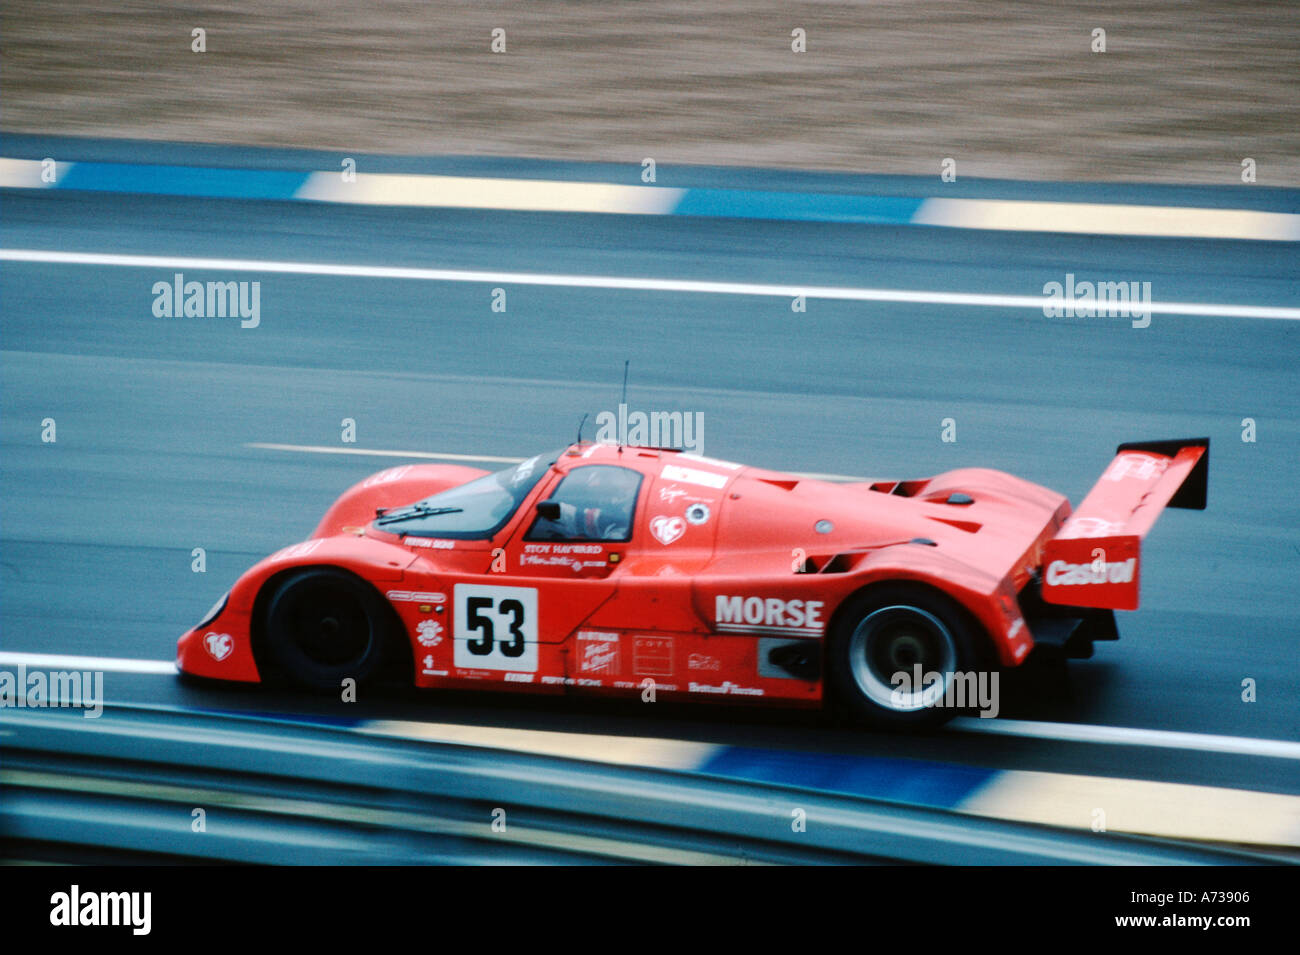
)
(580, 424)
(623, 403)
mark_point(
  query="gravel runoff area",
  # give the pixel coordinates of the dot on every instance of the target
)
(1183, 92)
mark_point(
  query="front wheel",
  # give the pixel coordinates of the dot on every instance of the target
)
(896, 653)
(323, 626)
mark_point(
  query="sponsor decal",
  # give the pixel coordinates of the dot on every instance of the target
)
(563, 549)
(570, 681)
(672, 472)
(428, 667)
(597, 652)
(524, 471)
(1141, 467)
(671, 494)
(1060, 573)
(544, 560)
(702, 661)
(436, 543)
(387, 477)
(697, 513)
(559, 555)
(415, 597)
(667, 529)
(659, 687)
(768, 614)
(558, 560)
(429, 633)
(726, 687)
(652, 656)
(519, 677)
(1092, 527)
(218, 645)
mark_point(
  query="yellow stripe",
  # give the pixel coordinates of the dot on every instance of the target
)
(26, 173)
(1107, 219)
(615, 750)
(1172, 810)
(463, 192)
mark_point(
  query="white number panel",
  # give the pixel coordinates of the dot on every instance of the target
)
(496, 628)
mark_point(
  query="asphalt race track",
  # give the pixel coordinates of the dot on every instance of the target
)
(158, 422)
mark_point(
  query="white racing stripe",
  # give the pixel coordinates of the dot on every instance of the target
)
(442, 456)
(624, 283)
(57, 661)
(1131, 736)
(1067, 732)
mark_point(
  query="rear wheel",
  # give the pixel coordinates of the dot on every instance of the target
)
(323, 626)
(894, 652)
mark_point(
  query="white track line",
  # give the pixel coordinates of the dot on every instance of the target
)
(436, 456)
(57, 661)
(376, 453)
(1130, 736)
(841, 293)
(1068, 732)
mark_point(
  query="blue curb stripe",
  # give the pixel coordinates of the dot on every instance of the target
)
(940, 785)
(183, 181)
(568, 195)
(796, 206)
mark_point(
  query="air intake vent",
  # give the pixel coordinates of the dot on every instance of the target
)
(970, 527)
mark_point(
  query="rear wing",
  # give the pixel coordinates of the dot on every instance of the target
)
(1095, 559)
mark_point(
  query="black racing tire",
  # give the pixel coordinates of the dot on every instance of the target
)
(890, 628)
(324, 625)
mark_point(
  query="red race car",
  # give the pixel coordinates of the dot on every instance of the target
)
(609, 570)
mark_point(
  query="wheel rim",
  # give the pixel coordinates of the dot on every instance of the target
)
(328, 626)
(900, 639)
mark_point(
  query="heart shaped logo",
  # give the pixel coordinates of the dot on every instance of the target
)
(218, 645)
(667, 529)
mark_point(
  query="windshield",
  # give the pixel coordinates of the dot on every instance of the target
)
(472, 511)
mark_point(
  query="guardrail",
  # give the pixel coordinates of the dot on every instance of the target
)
(157, 784)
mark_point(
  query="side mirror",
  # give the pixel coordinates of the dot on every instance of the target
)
(549, 510)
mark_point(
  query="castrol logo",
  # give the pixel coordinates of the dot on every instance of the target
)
(1061, 573)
